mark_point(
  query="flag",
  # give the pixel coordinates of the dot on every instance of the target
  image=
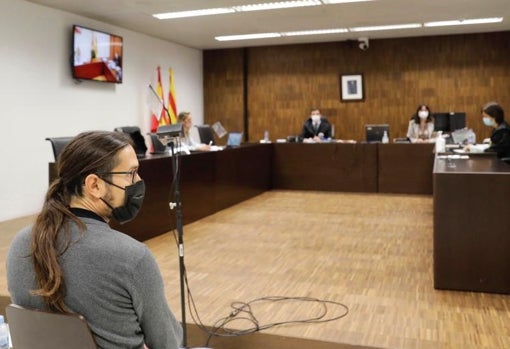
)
(172, 105)
(163, 116)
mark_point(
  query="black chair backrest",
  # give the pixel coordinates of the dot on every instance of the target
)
(157, 146)
(58, 144)
(205, 133)
(136, 136)
(30, 328)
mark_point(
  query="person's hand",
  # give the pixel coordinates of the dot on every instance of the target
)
(204, 147)
(317, 139)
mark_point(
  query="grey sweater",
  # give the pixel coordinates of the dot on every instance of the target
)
(111, 279)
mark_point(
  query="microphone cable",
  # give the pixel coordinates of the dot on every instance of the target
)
(243, 311)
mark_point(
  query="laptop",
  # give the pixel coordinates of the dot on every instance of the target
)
(234, 139)
(374, 133)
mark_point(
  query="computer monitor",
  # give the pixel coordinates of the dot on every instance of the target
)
(234, 139)
(375, 132)
(449, 122)
(457, 121)
(441, 122)
(205, 132)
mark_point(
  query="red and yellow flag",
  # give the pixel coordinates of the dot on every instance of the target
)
(163, 116)
(172, 104)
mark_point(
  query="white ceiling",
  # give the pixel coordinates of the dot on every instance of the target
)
(199, 32)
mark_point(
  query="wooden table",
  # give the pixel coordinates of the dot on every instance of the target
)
(209, 182)
(471, 231)
(405, 168)
(328, 166)
(212, 181)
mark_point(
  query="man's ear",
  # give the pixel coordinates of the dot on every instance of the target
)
(94, 186)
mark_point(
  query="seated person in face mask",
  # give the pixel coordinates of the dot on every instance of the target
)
(494, 116)
(316, 128)
(71, 261)
(421, 126)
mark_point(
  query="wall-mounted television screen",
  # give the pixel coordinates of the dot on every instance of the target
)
(96, 55)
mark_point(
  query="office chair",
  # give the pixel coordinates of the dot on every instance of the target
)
(136, 137)
(157, 146)
(32, 328)
(205, 132)
(58, 144)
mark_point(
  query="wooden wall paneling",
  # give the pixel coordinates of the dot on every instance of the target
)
(449, 73)
(223, 89)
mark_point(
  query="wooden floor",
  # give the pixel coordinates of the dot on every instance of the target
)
(371, 252)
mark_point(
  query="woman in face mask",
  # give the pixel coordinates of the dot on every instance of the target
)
(494, 116)
(421, 125)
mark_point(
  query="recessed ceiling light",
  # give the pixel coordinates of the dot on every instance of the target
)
(316, 32)
(464, 22)
(276, 5)
(193, 13)
(250, 7)
(247, 36)
(342, 1)
(386, 27)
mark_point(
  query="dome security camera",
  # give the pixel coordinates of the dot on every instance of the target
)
(363, 44)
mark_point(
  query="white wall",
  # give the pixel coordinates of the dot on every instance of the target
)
(39, 98)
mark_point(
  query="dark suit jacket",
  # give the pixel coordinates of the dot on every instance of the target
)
(500, 141)
(324, 128)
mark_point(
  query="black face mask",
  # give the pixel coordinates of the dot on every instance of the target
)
(132, 202)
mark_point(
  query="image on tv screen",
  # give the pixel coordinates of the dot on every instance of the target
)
(96, 55)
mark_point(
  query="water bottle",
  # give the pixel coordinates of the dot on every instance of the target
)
(385, 138)
(440, 143)
(4, 334)
(266, 136)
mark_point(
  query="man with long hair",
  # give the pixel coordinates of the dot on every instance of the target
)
(71, 261)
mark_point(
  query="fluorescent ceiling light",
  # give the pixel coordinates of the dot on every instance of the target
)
(247, 8)
(193, 13)
(277, 5)
(464, 22)
(247, 36)
(316, 32)
(326, 2)
(386, 27)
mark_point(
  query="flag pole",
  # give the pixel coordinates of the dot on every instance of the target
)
(160, 100)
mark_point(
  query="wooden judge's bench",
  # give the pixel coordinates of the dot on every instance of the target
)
(212, 181)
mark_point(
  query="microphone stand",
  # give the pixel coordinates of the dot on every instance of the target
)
(178, 214)
(170, 136)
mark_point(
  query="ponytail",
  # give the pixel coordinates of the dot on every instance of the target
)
(52, 221)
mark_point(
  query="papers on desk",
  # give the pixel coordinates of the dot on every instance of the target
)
(216, 148)
(456, 156)
(472, 148)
